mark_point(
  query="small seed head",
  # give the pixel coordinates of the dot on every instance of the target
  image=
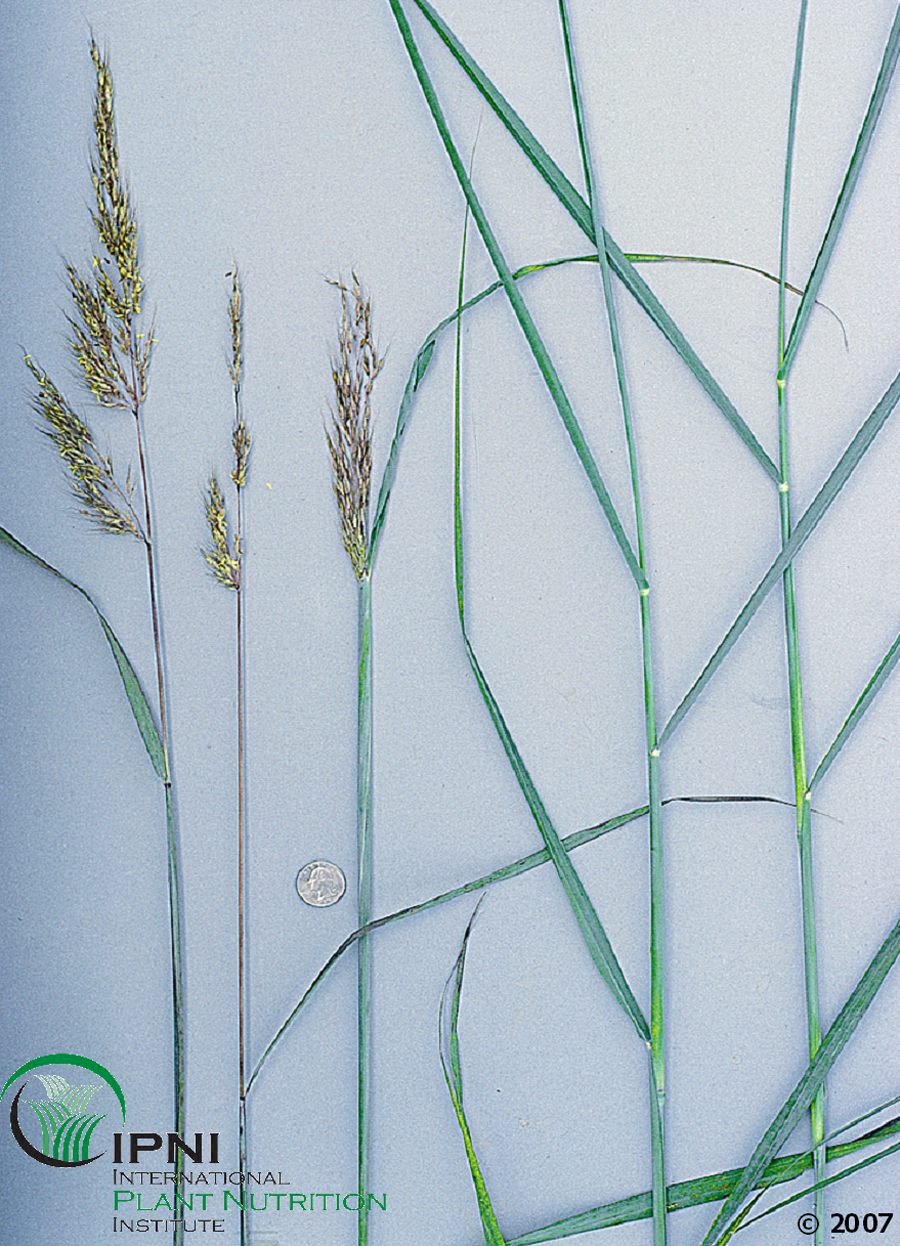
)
(353, 370)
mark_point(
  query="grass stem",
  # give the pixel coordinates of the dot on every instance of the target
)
(364, 893)
(657, 893)
(795, 683)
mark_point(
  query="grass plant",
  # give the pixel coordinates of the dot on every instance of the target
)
(792, 645)
(354, 370)
(225, 557)
(111, 344)
(792, 538)
(654, 803)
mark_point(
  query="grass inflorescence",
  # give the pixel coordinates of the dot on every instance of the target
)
(354, 368)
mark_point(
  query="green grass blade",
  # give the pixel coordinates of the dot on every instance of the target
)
(657, 1061)
(526, 323)
(596, 941)
(636, 286)
(800, 1099)
(870, 121)
(581, 214)
(448, 1034)
(801, 534)
(594, 935)
(820, 1185)
(882, 1107)
(521, 866)
(140, 708)
(695, 1192)
(868, 695)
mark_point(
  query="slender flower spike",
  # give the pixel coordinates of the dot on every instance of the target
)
(226, 566)
(114, 218)
(353, 370)
(240, 440)
(100, 497)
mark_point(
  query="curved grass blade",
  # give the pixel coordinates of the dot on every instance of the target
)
(637, 258)
(140, 708)
(870, 121)
(805, 527)
(695, 1192)
(581, 214)
(800, 1099)
(532, 861)
(868, 695)
(426, 350)
(448, 1035)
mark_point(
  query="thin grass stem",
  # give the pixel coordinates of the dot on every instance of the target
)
(792, 641)
(355, 366)
(657, 1064)
(364, 900)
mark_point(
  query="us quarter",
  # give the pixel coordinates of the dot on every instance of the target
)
(321, 883)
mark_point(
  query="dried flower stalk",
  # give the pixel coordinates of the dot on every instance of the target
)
(353, 371)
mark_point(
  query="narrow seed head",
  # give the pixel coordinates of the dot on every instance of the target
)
(114, 217)
(237, 331)
(354, 369)
(94, 484)
(240, 440)
(226, 566)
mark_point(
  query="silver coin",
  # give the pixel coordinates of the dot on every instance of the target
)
(320, 883)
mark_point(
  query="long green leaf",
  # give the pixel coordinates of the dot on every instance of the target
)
(863, 142)
(789, 550)
(532, 861)
(581, 214)
(798, 1102)
(868, 695)
(140, 707)
(820, 1185)
(526, 323)
(448, 1037)
(595, 938)
(694, 1193)
(623, 266)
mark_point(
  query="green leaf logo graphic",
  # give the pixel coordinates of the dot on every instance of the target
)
(65, 1131)
(66, 1125)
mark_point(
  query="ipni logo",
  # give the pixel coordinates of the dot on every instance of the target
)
(65, 1126)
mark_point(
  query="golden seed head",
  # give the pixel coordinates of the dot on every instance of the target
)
(237, 331)
(240, 440)
(353, 371)
(226, 566)
(114, 217)
(94, 483)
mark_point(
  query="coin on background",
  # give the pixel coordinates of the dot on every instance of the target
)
(320, 883)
